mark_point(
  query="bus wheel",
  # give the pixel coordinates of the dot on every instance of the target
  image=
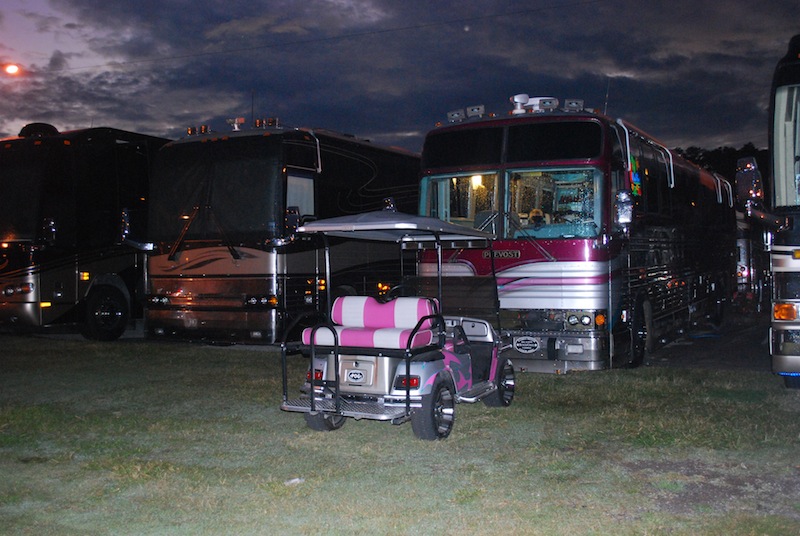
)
(107, 314)
(640, 322)
(504, 395)
(435, 419)
(791, 382)
(322, 422)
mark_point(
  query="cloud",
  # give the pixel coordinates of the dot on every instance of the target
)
(691, 72)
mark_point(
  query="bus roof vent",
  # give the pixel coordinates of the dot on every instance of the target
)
(38, 130)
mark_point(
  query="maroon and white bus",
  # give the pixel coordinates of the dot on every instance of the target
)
(607, 241)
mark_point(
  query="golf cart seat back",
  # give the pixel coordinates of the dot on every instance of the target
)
(364, 322)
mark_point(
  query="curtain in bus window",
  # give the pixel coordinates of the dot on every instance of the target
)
(786, 138)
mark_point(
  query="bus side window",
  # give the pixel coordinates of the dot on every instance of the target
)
(300, 194)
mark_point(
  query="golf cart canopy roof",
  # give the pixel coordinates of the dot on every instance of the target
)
(408, 230)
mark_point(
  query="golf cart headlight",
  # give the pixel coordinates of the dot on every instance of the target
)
(572, 320)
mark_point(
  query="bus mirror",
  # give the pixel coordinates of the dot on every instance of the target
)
(292, 219)
(624, 204)
(749, 187)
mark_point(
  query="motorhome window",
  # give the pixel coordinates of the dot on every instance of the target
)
(554, 203)
(300, 193)
(469, 200)
(22, 185)
(564, 140)
(233, 187)
(786, 138)
(301, 154)
(463, 148)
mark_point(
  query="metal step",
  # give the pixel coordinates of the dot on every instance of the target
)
(349, 408)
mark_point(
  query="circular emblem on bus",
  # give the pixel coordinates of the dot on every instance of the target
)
(526, 345)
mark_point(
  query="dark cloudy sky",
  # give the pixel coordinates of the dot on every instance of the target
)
(690, 72)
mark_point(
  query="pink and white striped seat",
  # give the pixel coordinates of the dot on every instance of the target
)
(364, 322)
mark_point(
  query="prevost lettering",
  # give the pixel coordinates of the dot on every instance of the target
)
(503, 254)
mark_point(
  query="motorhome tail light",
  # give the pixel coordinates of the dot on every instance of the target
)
(407, 382)
(784, 311)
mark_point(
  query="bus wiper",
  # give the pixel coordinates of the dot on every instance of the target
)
(173, 252)
(517, 225)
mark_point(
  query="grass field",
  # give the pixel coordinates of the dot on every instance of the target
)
(136, 437)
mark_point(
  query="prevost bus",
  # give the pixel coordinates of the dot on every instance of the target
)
(227, 264)
(70, 205)
(784, 142)
(607, 241)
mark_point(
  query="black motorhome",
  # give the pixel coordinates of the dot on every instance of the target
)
(70, 205)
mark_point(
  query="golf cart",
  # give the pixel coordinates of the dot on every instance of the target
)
(397, 359)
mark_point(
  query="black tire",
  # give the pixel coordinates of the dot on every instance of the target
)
(791, 382)
(323, 422)
(639, 328)
(107, 314)
(506, 381)
(435, 419)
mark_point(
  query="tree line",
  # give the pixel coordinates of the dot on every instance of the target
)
(723, 160)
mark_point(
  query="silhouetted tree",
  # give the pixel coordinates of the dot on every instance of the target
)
(723, 160)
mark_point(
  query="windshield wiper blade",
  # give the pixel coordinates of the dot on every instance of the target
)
(173, 252)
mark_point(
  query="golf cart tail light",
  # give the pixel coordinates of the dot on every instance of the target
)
(784, 311)
(411, 382)
(317, 375)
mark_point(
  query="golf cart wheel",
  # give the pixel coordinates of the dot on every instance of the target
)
(435, 419)
(506, 381)
(323, 422)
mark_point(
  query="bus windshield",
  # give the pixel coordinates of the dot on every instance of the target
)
(22, 178)
(786, 132)
(540, 202)
(228, 189)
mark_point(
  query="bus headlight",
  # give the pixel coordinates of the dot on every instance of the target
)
(266, 301)
(586, 319)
